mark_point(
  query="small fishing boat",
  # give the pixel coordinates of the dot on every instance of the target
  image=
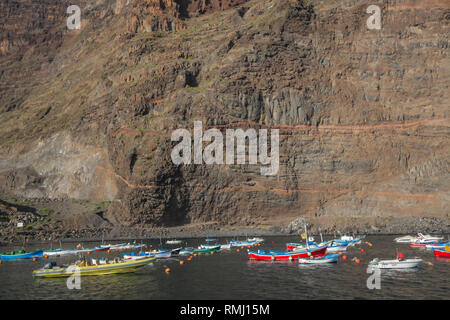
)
(424, 243)
(437, 246)
(206, 250)
(245, 243)
(51, 270)
(134, 256)
(59, 252)
(174, 241)
(287, 255)
(255, 240)
(175, 252)
(160, 253)
(210, 239)
(186, 251)
(442, 252)
(19, 255)
(420, 236)
(399, 263)
(333, 258)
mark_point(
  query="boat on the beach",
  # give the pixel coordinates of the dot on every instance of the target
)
(332, 258)
(273, 255)
(51, 270)
(22, 254)
(174, 241)
(399, 263)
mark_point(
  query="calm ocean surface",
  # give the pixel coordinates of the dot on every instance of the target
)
(230, 275)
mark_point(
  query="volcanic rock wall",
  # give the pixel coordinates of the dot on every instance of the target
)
(362, 114)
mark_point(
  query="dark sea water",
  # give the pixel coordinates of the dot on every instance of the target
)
(230, 275)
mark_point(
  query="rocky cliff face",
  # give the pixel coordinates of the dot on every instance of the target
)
(362, 114)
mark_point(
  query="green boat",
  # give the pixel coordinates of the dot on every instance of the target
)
(206, 249)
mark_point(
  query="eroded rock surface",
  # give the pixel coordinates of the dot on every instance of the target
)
(362, 114)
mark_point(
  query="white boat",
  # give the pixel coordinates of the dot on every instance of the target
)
(59, 252)
(399, 263)
(160, 254)
(256, 240)
(135, 257)
(319, 260)
(420, 237)
(174, 241)
(212, 246)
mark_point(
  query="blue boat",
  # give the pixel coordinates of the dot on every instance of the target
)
(332, 258)
(21, 255)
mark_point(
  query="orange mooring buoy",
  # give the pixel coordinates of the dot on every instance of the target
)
(88, 252)
(237, 250)
(34, 259)
(344, 257)
(362, 250)
(167, 270)
(181, 262)
(46, 257)
(357, 260)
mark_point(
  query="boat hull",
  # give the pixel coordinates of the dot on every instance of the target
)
(28, 255)
(293, 255)
(396, 264)
(95, 270)
(441, 253)
(320, 260)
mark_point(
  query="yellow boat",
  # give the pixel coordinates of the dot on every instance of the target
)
(84, 269)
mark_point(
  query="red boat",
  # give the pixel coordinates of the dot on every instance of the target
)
(288, 255)
(441, 253)
(422, 245)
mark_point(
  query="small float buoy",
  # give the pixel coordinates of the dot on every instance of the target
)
(57, 255)
(167, 270)
(34, 259)
(340, 253)
(0, 261)
(237, 250)
(195, 254)
(45, 256)
(109, 251)
(88, 252)
(212, 252)
(181, 262)
(344, 257)
(357, 260)
(362, 250)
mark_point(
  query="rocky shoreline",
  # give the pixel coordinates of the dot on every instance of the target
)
(71, 220)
